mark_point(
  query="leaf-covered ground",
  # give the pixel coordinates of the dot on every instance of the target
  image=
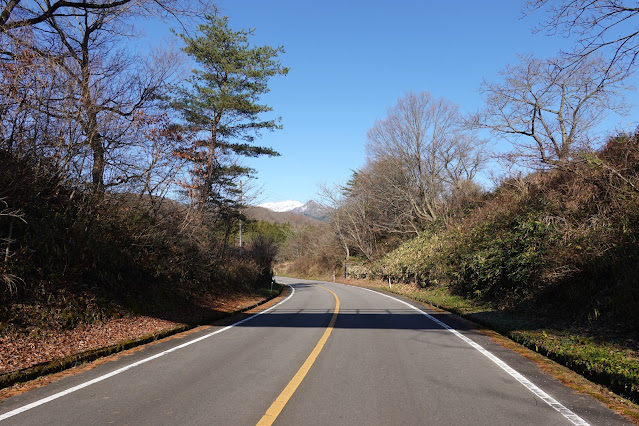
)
(25, 348)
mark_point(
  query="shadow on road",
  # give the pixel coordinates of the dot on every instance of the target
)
(391, 319)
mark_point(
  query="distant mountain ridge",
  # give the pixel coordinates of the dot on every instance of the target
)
(295, 219)
(282, 206)
(310, 209)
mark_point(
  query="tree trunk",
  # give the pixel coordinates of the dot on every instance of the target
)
(97, 171)
(211, 162)
(90, 126)
(348, 254)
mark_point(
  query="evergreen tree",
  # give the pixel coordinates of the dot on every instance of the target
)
(220, 107)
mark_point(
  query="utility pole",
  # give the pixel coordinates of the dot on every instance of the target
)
(241, 218)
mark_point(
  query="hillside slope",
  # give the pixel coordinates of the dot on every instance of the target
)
(70, 262)
(551, 259)
(261, 213)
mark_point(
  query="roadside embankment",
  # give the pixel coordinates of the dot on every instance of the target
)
(610, 362)
(26, 356)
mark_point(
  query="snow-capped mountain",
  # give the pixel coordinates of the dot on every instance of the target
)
(282, 206)
(312, 209)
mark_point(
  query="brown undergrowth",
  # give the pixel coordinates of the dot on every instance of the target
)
(246, 305)
(27, 356)
(79, 273)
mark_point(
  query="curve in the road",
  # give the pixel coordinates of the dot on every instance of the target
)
(278, 405)
(373, 360)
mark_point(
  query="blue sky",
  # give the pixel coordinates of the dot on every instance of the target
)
(351, 60)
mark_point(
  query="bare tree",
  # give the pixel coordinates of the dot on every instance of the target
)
(423, 139)
(383, 185)
(349, 216)
(112, 90)
(29, 13)
(81, 98)
(12, 214)
(602, 25)
(17, 14)
(548, 108)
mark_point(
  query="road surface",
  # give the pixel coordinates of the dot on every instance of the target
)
(328, 354)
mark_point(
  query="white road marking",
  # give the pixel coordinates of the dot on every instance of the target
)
(568, 414)
(135, 364)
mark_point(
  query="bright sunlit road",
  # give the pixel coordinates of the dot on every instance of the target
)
(326, 354)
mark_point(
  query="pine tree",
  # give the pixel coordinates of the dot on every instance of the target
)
(220, 107)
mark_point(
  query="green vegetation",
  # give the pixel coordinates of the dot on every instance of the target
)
(549, 260)
(568, 235)
(220, 109)
(277, 233)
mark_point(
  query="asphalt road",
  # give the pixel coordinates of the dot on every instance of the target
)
(378, 361)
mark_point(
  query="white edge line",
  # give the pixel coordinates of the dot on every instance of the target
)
(135, 364)
(567, 413)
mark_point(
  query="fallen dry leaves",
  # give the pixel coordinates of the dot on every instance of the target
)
(19, 350)
(22, 350)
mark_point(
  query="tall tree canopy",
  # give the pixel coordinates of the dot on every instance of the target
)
(220, 107)
(423, 138)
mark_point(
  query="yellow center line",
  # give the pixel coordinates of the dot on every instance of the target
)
(276, 408)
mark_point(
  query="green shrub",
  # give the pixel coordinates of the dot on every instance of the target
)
(504, 265)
